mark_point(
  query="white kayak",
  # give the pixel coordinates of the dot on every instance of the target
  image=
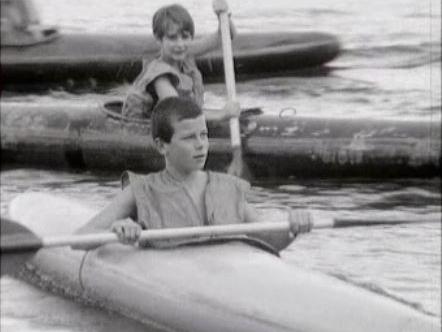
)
(230, 286)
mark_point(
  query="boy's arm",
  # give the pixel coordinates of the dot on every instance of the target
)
(122, 207)
(231, 109)
(301, 218)
(213, 41)
(164, 88)
(279, 241)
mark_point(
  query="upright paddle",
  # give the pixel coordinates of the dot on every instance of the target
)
(237, 167)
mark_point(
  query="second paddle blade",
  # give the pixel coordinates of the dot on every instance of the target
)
(17, 238)
(18, 245)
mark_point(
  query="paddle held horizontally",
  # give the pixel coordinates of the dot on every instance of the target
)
(17, 238)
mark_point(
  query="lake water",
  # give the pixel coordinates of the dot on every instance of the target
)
(390, 67)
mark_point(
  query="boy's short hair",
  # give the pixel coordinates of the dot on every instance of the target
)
(172, 109)
(172, 14)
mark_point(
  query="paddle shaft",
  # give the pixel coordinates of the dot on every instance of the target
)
(360, 222)
(27, 241)
(229, 74)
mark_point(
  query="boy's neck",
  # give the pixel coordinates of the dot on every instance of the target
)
(176, 64)
(180, 176)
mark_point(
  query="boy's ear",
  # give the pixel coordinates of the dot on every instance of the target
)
(160, 145)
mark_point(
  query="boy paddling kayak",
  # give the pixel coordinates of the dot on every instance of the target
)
(174, 72)
(181, 195)
(228, 287)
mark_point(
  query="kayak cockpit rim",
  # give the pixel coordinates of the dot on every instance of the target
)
(247, 239)
(113, 109)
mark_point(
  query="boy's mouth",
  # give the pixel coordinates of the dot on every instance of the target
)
(179, 52)
(200, 156)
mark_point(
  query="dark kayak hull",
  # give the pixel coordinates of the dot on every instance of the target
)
(77, 59)
(95, 137)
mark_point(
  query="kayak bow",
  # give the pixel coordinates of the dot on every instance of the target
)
(220, 287)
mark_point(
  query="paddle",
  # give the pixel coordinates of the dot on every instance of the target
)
(20, 239)
(237, 167)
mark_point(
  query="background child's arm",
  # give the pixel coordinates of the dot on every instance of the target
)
(122, 207)
(164, 88)
(213, 41)
(231, 109)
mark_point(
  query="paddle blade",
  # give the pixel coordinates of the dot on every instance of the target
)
(18, 245)
(17, 238)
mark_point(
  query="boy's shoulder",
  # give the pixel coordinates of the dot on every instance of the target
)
(159, 64)
(134, 179)
(152, 69)
(149, 62)
(230, 179)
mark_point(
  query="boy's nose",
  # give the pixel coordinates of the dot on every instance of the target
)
(199, 143)
(180, 41)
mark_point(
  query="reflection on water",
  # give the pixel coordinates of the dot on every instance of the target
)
(401, 261)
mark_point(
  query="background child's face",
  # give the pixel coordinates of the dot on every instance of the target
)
(175, 43)
(187, 150)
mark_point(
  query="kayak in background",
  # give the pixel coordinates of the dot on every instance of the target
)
(71, 60)
(34, 56)
(219, 287)
(96, 137)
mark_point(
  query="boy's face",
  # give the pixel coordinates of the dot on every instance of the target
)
(188, 147)
(175, 43)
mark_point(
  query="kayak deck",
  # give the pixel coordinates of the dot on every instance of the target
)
(218, 287)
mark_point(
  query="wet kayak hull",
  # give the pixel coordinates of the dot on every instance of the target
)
(208, 287)
(96, 137)
(72, 60)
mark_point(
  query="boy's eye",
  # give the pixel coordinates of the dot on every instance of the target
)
(172, 37)
(204, 134)
(186, 35)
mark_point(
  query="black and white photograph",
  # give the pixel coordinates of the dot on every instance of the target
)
(221, 166)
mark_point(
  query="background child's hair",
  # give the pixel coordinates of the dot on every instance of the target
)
(172, 109)
(172, 14)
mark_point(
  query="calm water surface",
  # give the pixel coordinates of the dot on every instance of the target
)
(390, 67)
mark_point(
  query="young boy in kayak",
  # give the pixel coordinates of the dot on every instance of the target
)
(183, 194)
(174, 72)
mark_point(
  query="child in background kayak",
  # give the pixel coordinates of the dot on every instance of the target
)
(183, 194)
(174, 72)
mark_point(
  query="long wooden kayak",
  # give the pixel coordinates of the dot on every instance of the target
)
(96, 137)
(75, 59)
(228, 286)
